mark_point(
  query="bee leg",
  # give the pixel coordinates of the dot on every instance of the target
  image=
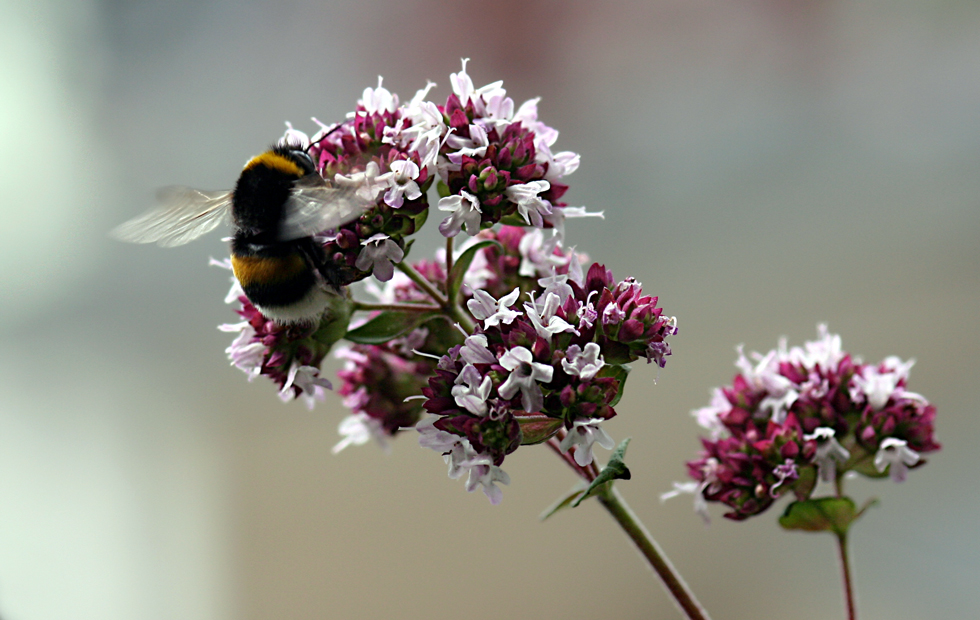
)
(317, 259)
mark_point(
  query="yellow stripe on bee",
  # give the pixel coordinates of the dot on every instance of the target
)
(269, 159)
(252, 270)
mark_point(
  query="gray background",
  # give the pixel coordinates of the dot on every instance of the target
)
(763, 166)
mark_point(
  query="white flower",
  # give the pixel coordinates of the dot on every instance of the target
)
(244, 352)
(378, 255)
(524, 376)
(475, 146)
(707, 417)
(466, 212)
(432, 437)
(425, 130)
(402, 183)
(369, 183)
(484, 473)
(357, 429)
(583, 363)
(471, 390)
(829, 452)
(544, 136)
(710, 470)
(475, 351)
(307, 379)
(538, 255)
(557, 284)
(583, 434)
(897, 454)
(463, 87)
(880, 385)
(764, 375)
(492, 312)
(558, 216)
(695, 489)
(824, 352)
(575, 273)
(542, 316)
(462, 458)
(529, 204)
(378, 99)
(294, 138)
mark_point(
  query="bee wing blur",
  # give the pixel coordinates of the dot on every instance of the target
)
(316, 206)
(184, 215)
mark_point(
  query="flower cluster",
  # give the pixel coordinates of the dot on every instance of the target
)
(392, 177)
(495, 163)
(376, 381)
(793, 416)
(547, 358)
(550, 366)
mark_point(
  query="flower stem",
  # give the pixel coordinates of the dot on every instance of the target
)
(423, 284)
(845, 564)
(360, 305)
(452, 310)
(449, 261)
(613, 502)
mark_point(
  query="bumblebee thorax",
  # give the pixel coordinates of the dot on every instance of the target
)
(264, 187)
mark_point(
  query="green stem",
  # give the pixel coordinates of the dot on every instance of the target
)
(452, 310)
(365, 306)
(449, 262)
(423, 284)
(613, 502)
(846, 575)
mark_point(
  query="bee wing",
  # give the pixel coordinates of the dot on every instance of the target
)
(184, 215)
(316, 206)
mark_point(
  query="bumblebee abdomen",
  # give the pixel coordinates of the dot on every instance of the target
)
(273, 281)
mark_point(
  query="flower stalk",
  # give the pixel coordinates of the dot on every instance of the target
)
(645, 544)
(845, 565)
(372, 307)
(620, 511)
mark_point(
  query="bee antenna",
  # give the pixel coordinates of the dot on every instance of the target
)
(324, 136)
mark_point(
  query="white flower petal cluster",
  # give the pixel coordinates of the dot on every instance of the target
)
(582, 435)
(524, 376)
(378, 255)
(308, 379)
(462, 459)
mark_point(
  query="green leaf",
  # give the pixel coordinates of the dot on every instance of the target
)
(463, 263)
(420, 219)
(513, 220)
(442, 189)
(823, 514)
(563, 502)
(387, 325)
(537, 428)
(806, 482)
(616, 469)
(616, 371)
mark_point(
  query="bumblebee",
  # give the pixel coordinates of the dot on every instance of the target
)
(278, 204)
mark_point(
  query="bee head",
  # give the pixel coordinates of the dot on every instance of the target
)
(297, 155)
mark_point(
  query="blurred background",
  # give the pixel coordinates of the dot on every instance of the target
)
(763, 166)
